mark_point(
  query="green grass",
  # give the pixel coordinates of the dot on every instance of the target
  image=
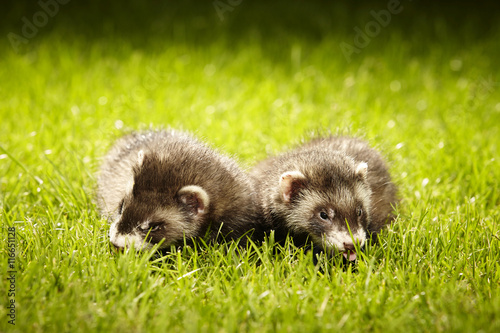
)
(425, 91)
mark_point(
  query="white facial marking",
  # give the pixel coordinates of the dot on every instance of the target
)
(336, 238)
(113, 234)
(129, 187)
(144, 225)
(140, 157)
(331, 213)
(124, 241)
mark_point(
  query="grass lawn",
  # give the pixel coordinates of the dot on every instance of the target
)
(252, 78)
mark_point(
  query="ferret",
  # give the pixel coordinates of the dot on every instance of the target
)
(333, 191)
(166, 186)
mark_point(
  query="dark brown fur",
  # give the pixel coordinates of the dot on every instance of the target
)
(142, 196)
(332, 184)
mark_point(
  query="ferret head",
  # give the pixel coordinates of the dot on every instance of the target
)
(329, 204)
(150, 214)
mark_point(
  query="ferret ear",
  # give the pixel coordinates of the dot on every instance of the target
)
(362, 170)
(195, 199)
(140, 157)
(291, 182)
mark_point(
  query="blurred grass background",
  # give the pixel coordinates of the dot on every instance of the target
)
(253, 81)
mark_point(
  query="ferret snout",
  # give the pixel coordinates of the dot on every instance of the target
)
(349, 247)
(343, 242)
(122, 241)
(117, 249)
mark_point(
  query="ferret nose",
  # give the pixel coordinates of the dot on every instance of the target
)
(117, 248)
(349, 247)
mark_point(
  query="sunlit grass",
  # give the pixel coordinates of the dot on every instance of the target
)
(429, 104)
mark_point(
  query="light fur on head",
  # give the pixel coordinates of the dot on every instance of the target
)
(362, 169)
(140, 157)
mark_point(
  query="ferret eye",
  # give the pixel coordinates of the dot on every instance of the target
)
(154, 228)
(323, 215)
(120, 209)
(359, 211)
